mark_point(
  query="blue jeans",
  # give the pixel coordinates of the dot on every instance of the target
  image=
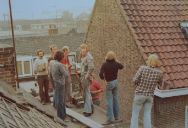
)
(112, 100)
(146, 102)
(88, 104)
(60, 100)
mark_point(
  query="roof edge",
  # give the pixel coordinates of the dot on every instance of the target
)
(171, 92)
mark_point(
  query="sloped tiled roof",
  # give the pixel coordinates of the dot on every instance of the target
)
(155, 25)
(14, 116)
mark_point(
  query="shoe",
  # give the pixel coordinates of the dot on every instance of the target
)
(108, 122)
(86, 114)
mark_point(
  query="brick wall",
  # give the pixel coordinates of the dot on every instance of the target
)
(170, 112)
(7, 72)
(108, 30)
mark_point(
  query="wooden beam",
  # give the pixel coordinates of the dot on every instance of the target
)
(4, 120)
(12, 114)
(90, 123)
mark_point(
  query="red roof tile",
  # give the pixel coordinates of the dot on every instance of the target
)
(155, 25)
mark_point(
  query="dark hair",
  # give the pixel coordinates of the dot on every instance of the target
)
(38, 51)
(58, 55)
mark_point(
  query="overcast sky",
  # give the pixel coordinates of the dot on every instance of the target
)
(44, 9)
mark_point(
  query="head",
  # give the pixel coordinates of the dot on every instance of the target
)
(110, 56)
(40, 53)
(153, 61)
(53, 48)
(65, 50)
(58, 55)
(83, 49)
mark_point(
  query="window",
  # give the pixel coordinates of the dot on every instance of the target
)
(184, 28)
(24, 65)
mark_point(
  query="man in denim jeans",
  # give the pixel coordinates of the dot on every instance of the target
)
(146, 80)
(108, 72)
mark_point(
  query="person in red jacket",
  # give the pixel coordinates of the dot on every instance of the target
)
(95, 90)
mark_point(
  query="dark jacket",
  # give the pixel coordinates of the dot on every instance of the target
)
(109, 70)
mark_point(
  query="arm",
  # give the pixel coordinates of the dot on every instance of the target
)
(137, 75)
(90, 66)
(97, 86)
(35, 65)
(101, 74)
(120, 66)
(64, 71)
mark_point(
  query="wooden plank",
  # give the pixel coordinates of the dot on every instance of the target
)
(36, 124)
(23, 117)
(4, 120)
(83, 119)
(39, 119)
(13, 116)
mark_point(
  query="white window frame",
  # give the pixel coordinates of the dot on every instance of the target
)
(23, 59)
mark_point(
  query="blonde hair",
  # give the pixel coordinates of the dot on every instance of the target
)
(65, 48)
(153, 61)
(84, 46)
(110, 56)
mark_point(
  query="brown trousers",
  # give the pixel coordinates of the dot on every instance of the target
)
(43, 83)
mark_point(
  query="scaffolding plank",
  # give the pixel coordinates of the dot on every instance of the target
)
(83, 119)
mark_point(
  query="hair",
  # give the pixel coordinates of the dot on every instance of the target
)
(58, 55)
(38, 51)
(82, 46)
(52, 46)
(153, 61)
(65, 48)
(110, 56)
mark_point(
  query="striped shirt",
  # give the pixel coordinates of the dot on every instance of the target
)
(146, 80)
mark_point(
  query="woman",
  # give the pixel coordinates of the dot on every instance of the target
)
(146, 80)
(59, 76)
(109, 72)
(87, 68)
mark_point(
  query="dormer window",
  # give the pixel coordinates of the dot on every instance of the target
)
(184, 28)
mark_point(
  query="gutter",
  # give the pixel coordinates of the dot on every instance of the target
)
(171, 92)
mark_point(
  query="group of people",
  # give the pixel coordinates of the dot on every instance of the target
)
(146, 79)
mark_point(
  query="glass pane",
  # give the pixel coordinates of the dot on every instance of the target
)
(19, 67)
(27, 69)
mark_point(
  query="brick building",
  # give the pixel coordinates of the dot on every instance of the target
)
(134, 29)
(7, 70)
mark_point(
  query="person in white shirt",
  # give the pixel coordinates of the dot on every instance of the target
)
(41, 73)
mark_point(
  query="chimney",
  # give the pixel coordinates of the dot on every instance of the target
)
(7, 67)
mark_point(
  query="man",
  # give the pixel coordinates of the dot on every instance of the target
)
(41, 74)
(87, 68)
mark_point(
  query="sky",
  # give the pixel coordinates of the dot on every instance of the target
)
(44, 9)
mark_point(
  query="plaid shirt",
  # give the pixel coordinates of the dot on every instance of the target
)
(146, 80)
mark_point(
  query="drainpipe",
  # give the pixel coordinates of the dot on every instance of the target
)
(14, 46)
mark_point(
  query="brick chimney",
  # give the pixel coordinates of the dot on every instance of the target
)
(7, 67)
